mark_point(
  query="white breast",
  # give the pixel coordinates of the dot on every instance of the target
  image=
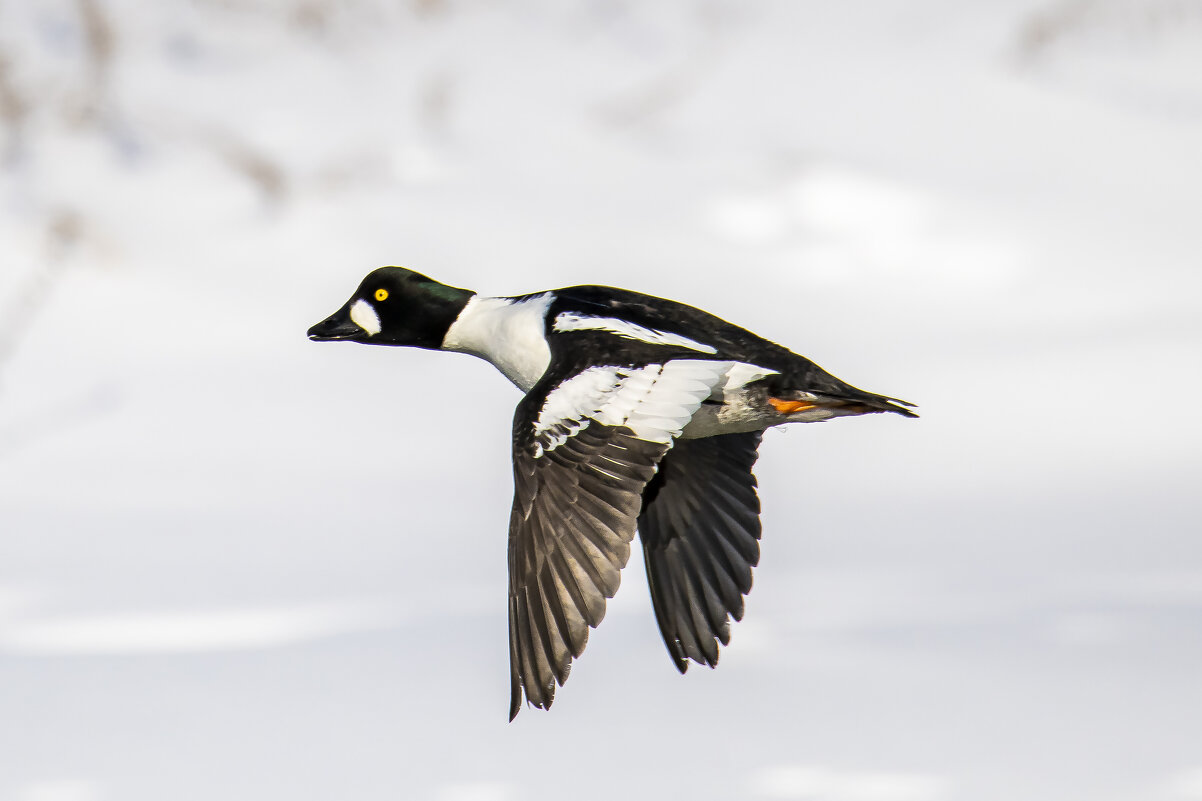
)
(511, 334)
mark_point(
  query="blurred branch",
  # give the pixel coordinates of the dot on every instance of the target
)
(427, 9)
(54, 418)
(434, 103)
(253, 164)
(14, 110)
(1050, 26)
(99, 40)
(62, 233)
(312, 17)
(673, 86)
(100, 44)
(1046, 27)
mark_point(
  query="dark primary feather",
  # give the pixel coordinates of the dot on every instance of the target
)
(573, 518)
(700, 529)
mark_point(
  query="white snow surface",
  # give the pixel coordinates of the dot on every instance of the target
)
(238, 564)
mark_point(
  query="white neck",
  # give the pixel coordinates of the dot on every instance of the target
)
(509, 333)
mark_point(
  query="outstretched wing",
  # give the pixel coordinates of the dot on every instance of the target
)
(584, 447)
(700, 527)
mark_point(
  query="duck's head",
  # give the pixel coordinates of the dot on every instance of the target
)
(395, 306)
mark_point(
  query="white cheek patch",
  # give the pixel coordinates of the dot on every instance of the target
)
(364, 316)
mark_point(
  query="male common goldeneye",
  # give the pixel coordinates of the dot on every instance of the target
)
(640, 413)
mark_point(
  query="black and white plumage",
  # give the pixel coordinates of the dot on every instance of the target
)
(640, 414)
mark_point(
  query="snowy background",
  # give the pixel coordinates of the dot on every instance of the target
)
(235, 564)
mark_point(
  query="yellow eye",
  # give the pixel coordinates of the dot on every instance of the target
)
(381, 294)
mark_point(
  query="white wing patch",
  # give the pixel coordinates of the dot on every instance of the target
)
(570, 321)
(736, 409)
(656, 402)
(740, 375)
(364, 316)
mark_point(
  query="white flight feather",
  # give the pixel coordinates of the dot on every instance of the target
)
(741, 374)
(736, 408)
(656, 401)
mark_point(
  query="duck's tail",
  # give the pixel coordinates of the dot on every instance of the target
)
(855, 402)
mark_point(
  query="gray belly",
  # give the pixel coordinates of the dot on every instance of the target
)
(732, 417)
(743, 410)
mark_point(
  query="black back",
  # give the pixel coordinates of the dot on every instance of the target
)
(794, 372)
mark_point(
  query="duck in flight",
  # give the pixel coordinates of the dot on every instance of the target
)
(639, 414)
